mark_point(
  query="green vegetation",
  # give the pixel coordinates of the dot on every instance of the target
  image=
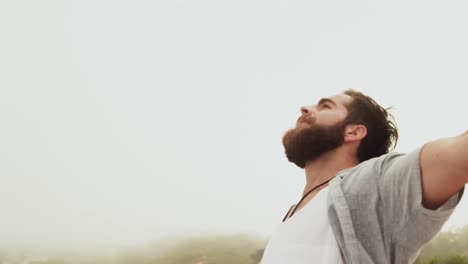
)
(446, 248)
(227, 250)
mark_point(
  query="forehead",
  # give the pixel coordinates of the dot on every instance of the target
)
(341, 99)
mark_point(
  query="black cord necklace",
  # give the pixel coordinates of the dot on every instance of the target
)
(305, 195)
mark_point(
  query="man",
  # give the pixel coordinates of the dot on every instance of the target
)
(362, 204)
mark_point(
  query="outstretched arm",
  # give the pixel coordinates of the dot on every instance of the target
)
(444, 169)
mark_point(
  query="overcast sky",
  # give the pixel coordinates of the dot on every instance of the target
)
(125, 121)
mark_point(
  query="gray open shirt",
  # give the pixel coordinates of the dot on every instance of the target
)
(376, 214)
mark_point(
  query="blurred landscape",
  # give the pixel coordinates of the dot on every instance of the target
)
(449, 247)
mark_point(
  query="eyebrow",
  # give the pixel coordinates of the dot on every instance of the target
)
(326, 100)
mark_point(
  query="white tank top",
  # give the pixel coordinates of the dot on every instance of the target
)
(306, 237)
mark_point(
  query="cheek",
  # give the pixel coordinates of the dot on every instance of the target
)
(330, 118)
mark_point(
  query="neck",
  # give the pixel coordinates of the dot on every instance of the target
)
(327, 166)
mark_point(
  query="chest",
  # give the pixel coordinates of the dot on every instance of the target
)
(308, 224)
(306, 237)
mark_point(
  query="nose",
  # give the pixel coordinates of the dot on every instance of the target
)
(305, 110)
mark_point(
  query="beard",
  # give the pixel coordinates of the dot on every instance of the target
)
(308, 143)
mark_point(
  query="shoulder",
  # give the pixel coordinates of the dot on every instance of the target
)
(370, 174)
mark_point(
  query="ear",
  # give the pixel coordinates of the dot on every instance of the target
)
(355, 132)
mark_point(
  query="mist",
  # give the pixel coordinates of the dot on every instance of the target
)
(127, 122)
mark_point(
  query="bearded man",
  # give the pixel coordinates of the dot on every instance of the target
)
(362, 204)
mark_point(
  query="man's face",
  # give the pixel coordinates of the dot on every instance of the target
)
(319, 129)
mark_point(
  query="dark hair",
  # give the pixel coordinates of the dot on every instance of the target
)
(382, 134)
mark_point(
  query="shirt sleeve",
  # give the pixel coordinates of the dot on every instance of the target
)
(411, 224)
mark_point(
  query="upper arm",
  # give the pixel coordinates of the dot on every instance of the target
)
(443, 169)
(405, 217)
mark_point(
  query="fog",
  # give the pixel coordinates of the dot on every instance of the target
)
(124, 122)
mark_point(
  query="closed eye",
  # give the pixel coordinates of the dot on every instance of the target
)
(326, 103)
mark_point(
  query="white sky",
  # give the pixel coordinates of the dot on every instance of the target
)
(123, 121)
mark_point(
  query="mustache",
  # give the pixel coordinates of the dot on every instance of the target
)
(307, 119)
